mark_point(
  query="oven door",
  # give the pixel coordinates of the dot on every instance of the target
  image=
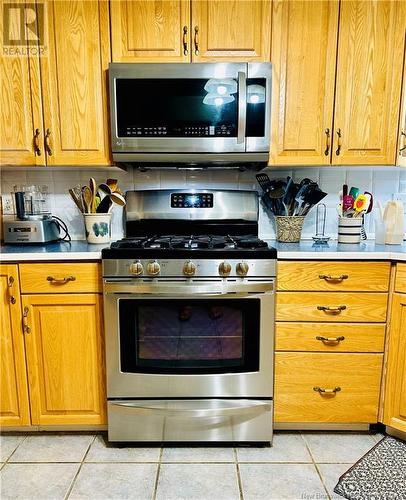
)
(192, 338)
(178, 108)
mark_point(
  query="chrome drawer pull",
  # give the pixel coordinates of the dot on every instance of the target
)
(320, 390)
(332, 310)
(330, 339)
(61, 280)
(328, 277)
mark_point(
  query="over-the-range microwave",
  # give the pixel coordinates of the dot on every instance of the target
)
(216, 114)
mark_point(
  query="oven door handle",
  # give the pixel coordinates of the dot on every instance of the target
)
(186, 289)
(167, 411)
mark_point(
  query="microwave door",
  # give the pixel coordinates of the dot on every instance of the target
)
(173, 113)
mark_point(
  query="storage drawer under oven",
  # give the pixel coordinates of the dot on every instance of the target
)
(190, 420)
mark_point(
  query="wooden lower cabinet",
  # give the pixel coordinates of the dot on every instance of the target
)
(355, 377)
(395, 392)
(14, 404)
(65, 358)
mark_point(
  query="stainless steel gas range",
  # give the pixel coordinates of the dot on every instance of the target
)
(189, 320)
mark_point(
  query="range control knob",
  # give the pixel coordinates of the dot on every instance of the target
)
(224, 268)
(242, 268)
(136, 268)
(153, 268)
(189, 268)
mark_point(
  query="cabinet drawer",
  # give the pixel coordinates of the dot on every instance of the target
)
(357, 307)
(334, 276)
(400, 282)
(352, 337)
(60, 278)
(358, 377)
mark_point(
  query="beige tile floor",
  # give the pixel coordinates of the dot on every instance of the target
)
(303, 466)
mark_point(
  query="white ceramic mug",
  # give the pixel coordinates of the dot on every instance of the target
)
(97, 227)
(349, 229)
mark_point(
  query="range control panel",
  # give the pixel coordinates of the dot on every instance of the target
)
(191, 200)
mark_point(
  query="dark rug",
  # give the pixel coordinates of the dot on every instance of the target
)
(379, 475)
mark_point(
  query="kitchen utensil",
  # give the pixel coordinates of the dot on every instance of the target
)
(113, 184)
(264, 181)
(93, 190)
(345, 190)
(105, 205)
(117, 198)
(105, 188)
(360, 204)
(87, 198)
(320, 237)
(312, 197)
(76, 199)
(348, 203)
(354, 192)
(369, 210)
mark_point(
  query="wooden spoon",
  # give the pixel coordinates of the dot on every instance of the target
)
(117, 198)
(87, 197)
(93, 190)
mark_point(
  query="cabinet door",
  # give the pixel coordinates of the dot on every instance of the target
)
(401, 159)
(230, 30)
(395, 384)
(20, 102)
(14, 405)
(65, 359)
(369, 75)
(150, 30)
(74, 82)
(304, 42)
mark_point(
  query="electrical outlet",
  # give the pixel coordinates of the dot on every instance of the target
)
(7, 205)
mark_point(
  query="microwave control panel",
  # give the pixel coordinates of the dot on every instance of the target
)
(191, 200)
(183, 131)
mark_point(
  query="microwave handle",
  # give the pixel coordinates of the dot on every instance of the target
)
(242, 106)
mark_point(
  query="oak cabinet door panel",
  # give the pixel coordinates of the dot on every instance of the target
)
(65, 359)
(14, 404)
(369, 76)
(227, 30)
(304, 41)
(74, 82)
(150, 30)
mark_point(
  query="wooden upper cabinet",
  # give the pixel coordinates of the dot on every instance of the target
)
(304, 42)
(74, 82)
(20, 101)
(150, 31)
(401, 158)
(395, 384)
(14, 405)
(369, 75)
(65, 359)
(230, 30)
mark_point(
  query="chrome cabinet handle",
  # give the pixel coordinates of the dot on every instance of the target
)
(321, 390)
(327, 150)
(26, 328)
(185, 49)
(332, 310)
(48, 148)
(338, 150)
(328, 277)
(61, 280)
(37, 149)
(196, 39)
(335, 340)
(10, 283)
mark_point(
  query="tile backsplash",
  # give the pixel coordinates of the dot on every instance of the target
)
(383, 182)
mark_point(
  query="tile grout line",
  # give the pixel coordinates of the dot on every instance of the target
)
(315, 465)
(12, 453)
(79, 468)
(239, 480)
(158, 470)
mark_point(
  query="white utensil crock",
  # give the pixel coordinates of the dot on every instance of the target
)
(349, 229)
(97, 227)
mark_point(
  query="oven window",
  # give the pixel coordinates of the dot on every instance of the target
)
(176, 107)
(189, 336)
